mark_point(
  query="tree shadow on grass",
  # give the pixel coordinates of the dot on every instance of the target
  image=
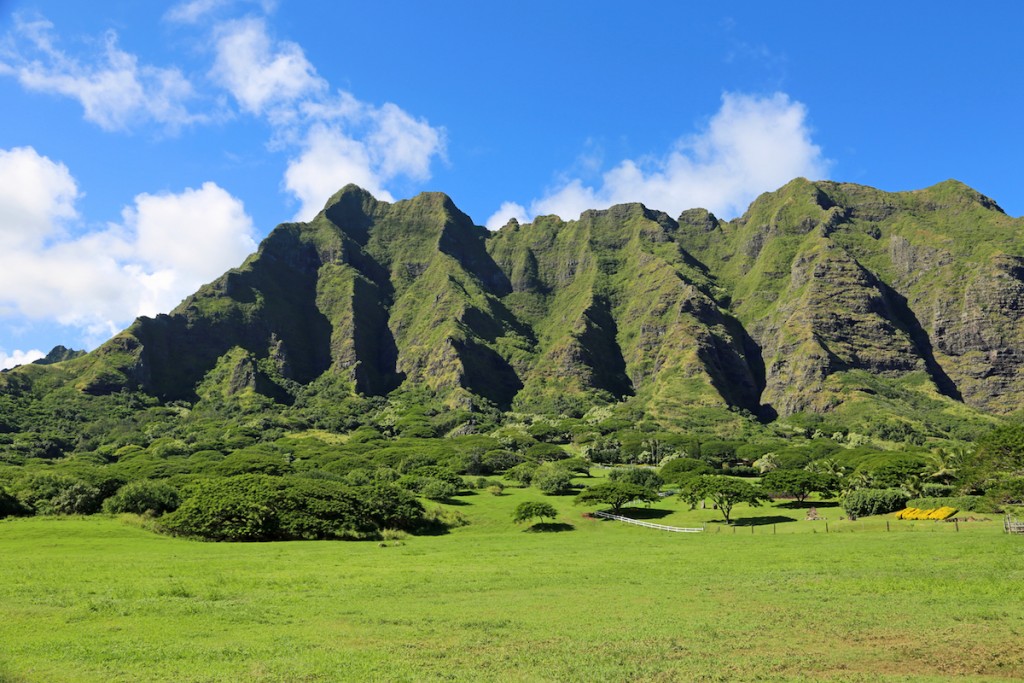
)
(761, 521)
(548, 527)
(431, 527)
(807, 504)
(644, 513)
(453, 501)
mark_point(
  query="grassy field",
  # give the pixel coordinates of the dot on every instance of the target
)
(99, 599)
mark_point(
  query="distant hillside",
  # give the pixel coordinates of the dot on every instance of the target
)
(903, 308)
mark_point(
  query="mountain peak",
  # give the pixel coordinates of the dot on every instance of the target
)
(951, 192)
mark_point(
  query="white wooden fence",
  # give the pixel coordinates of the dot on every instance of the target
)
(651, 525)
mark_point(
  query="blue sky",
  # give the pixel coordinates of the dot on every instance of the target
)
(146, 148)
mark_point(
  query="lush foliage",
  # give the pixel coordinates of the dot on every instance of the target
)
(863, 502)
(264, 508)
(616, 494)
(532, 509)
(799, 483)
(143, 497)
(724, 492)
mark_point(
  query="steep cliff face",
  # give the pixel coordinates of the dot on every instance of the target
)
(821, 296)
(833, 277)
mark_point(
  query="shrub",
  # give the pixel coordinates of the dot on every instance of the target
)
(716, 452)
(10, 506)
(543, 452)
(500, 460)
(46, 493)
(522, 473)
(77, 498)
(252, 462)
(640, 476)
(741, 471)
(442, 474)
(930, 490)
(552, 480)
(965, 503)
(265, 508)
(679, 469)
(864, 502)
(143, 496)
(437, 489)
(1006, 491)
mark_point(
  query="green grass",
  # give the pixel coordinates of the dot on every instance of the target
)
(99, 599)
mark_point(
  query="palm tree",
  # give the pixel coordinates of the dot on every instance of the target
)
(826, 466)
(857, 480)
(946, 464)
(767, 463)
(912, 486)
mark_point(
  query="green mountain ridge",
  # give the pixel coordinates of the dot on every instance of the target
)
(824, 297)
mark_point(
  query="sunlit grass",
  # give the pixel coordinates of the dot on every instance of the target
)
(96, 599)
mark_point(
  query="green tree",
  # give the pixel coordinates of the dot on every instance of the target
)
(552, 479)
(678, 470)
(437, 489)
(641, 476)
(724, 492)
(768, 462)
(143, 496)
(531, 509)
(522, 473)
(998, 454)
(799, 483)
(616, 494)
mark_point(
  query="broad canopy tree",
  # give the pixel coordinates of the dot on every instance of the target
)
(724, 492)
(799, 483)
(531, 509)
(616, 494)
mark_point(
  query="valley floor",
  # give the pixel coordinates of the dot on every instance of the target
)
(100, 599)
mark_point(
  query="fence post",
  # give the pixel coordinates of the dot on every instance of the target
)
(886, 525)
(826, 527)
(774, 531)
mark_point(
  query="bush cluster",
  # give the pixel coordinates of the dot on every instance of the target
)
(864, 502)
(963, 503)
(265, 508)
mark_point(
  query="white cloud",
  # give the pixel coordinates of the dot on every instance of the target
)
(505, 213)
(114, 90)
(166, 247)
(751, 145)
(329, 161)
(392, 144)
(17, 357)
(402, 144)
(169, 227)
(191, 11)
(37, 196)
(263, 76)
(340, 139)
(194, 10)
